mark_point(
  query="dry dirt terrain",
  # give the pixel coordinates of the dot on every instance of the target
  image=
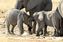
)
(5, 5)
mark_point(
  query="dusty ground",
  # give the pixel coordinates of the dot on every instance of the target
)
(4, 37)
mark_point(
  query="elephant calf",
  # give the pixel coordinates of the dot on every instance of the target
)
(39, 18)
(44, 19)
(17, 17)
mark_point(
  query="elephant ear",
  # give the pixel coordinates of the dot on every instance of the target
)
(33, 3)
(60, 8)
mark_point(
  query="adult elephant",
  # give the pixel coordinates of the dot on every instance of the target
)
(34, 6)
(60, 8)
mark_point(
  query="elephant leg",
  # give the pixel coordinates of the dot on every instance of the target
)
(41, 32)
(8, 28)
(61, 23)
(20, 26)
(29, 25)
(38, 31)
(45, 30)
(61, 27)
(12, 30)
(44, 25)
(30, 29)
(41, 28)
(55, 29)
(56, 25)
(34, 27)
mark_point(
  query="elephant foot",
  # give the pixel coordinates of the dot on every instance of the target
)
(34, 32)
(37, 35)
(30, 30)
(30, 33)
(21, 32)
(13, 33)
(61, 35)
(61, 32)
(9, 33)
(44, 34)
(56, 35)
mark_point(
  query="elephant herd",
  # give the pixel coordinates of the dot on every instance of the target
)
(40, 13)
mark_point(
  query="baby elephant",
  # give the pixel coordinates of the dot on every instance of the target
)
(50, 18)
(17, 17)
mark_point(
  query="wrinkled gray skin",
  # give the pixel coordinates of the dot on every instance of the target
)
(61, 13)
(32, 6)
(39, 18)
(12, 19)
(24, 18)
(44, 19)
(55, 20)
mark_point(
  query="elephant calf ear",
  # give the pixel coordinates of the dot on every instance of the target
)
(33, 3)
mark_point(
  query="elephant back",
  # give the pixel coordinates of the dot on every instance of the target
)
(39, 5)
(33, 3)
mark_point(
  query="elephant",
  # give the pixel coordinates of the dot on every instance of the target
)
(17, 17)
(48, 18)
(32, 6)
(39, 18)
(61, 13)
